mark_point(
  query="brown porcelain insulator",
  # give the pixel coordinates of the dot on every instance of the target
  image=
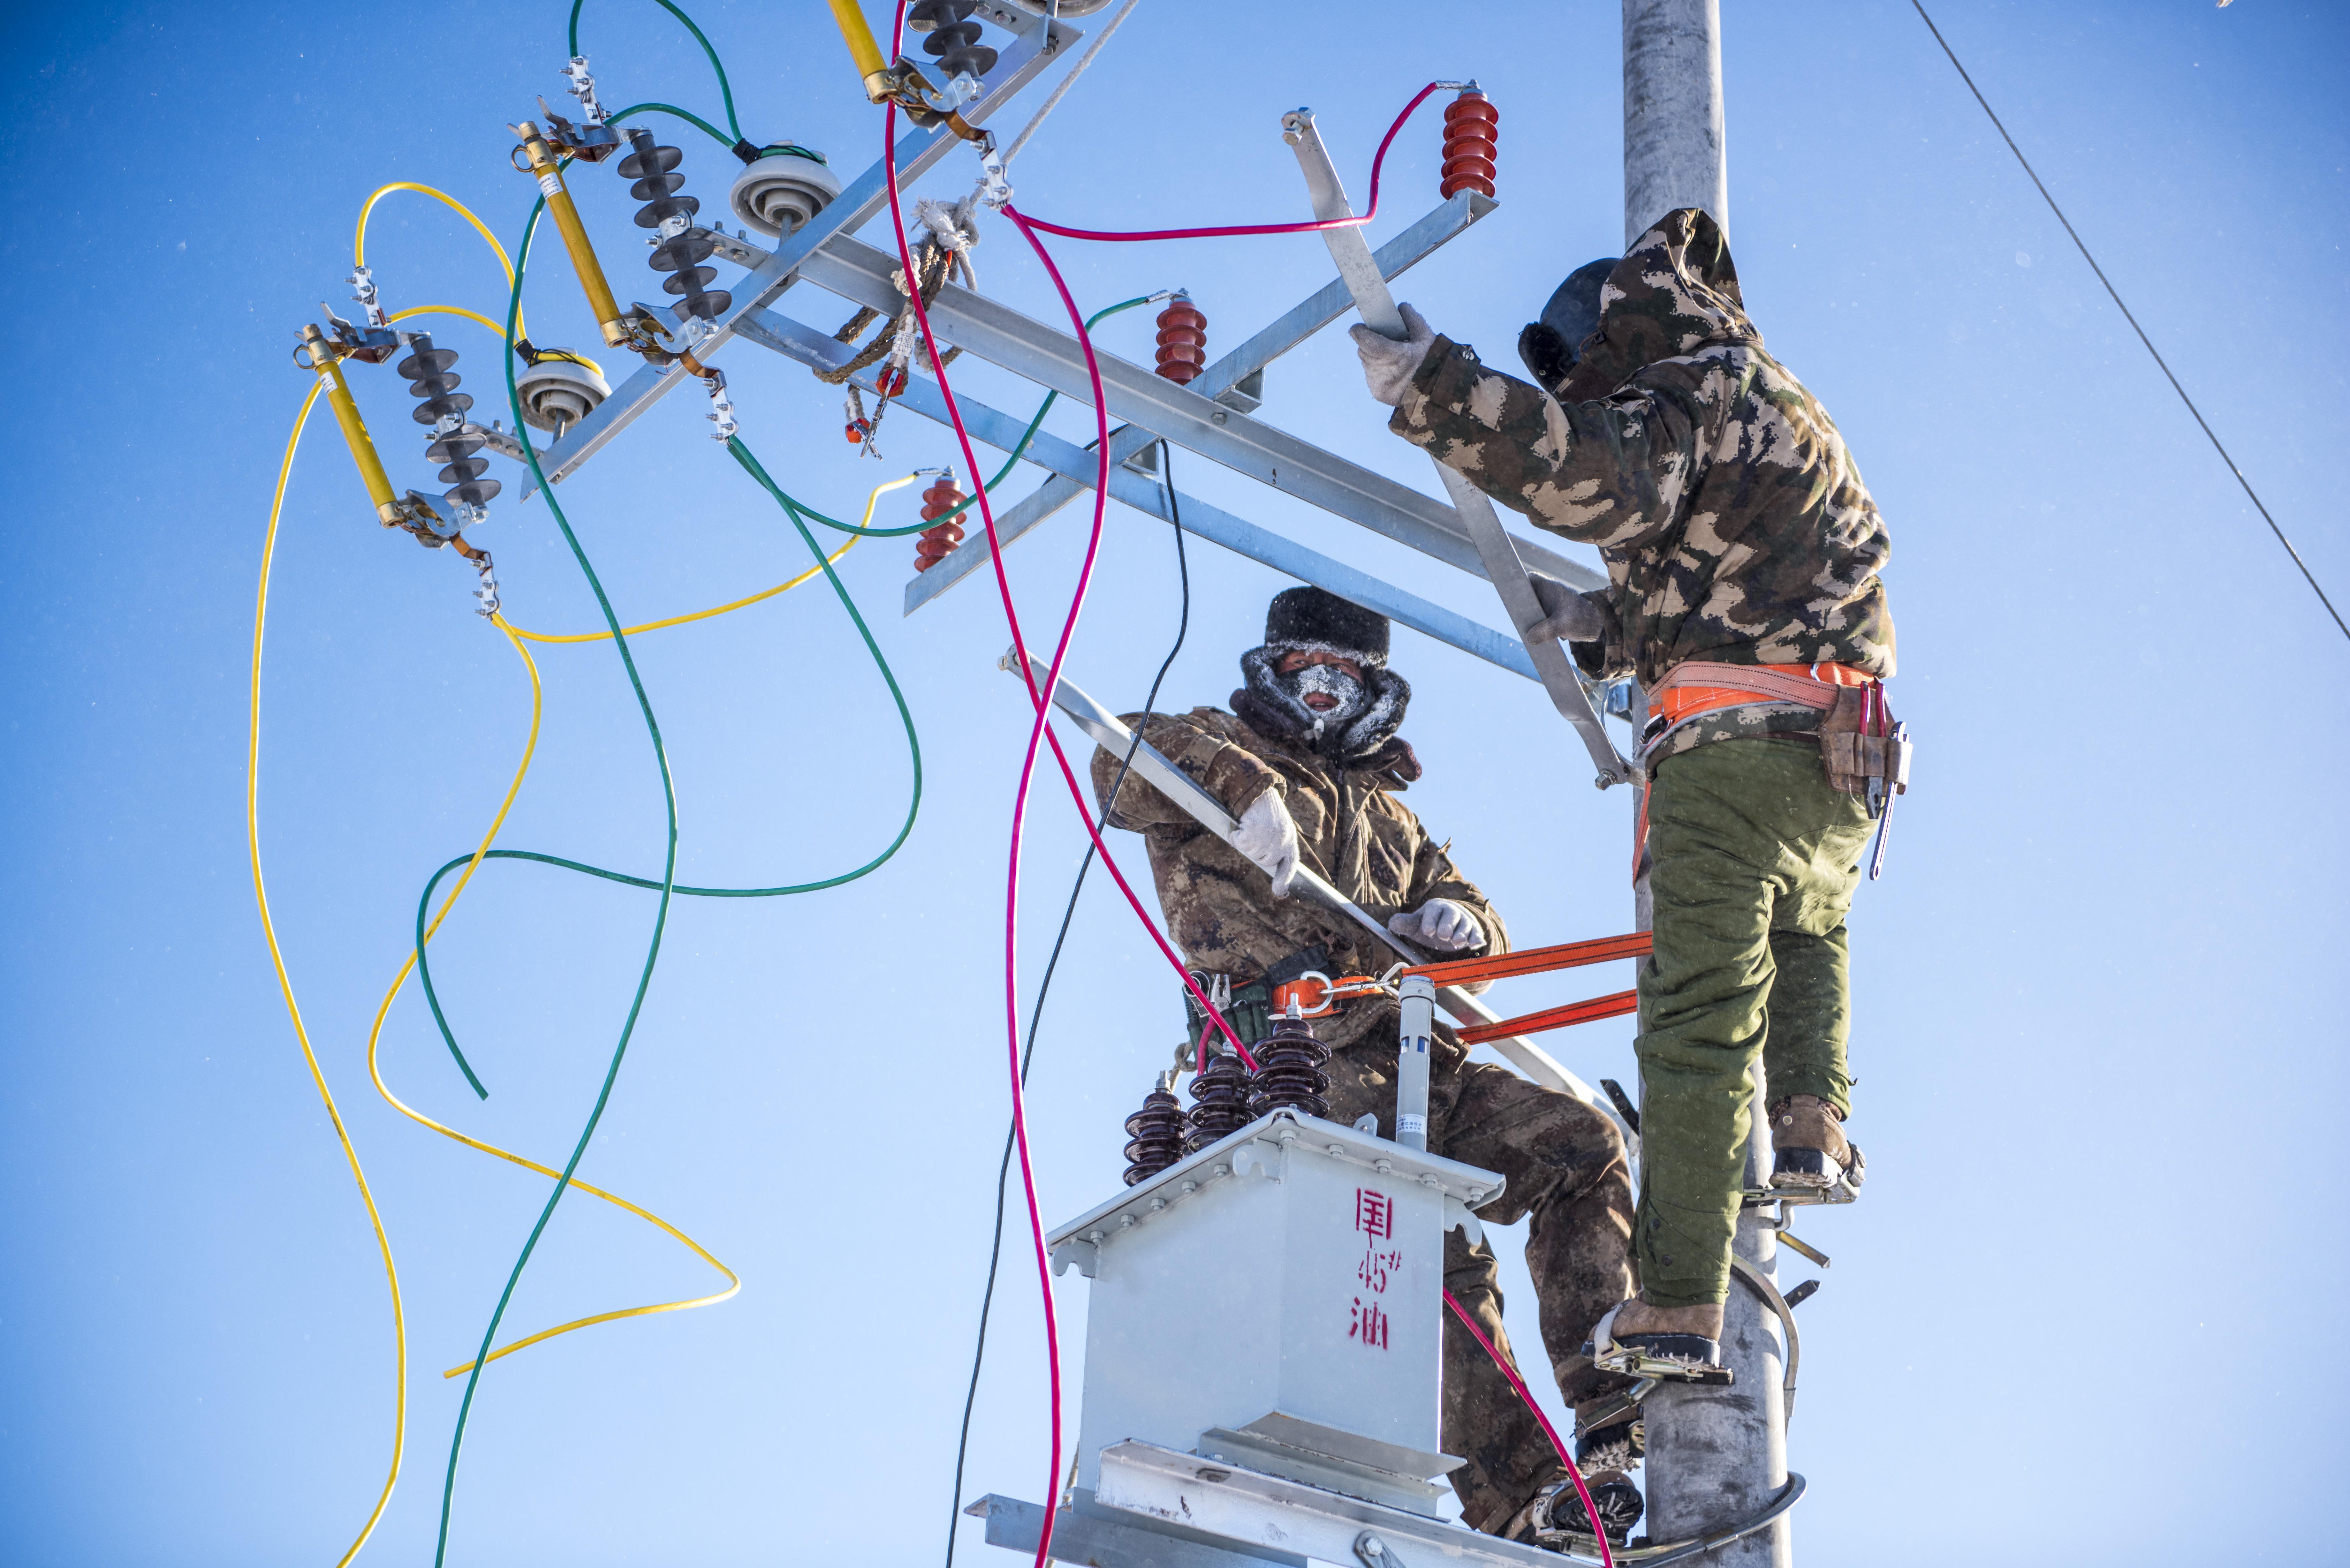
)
(933, 545)
(1154, 1133)
(1220, 1102)
(1472, 128)
(1182, 340)
(1289, 1072)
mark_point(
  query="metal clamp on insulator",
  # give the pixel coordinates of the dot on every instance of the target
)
(954, 40)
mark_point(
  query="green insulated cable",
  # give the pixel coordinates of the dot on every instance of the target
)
(913, 806)
(661, 916)
(724, 91)
(717, 135)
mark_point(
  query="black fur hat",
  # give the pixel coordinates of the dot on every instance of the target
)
(1311, 619)
(1549, 348)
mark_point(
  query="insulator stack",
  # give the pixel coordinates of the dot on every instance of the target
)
(1220, 1102)
(434, 383)
(1154, 1133)
(1471, 127)
(954, 38)
(681, 250)
(933, 545)
(1182, 340)
(1289, 1075)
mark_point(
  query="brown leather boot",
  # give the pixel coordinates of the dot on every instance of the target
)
(1808, 1147)
(1689, 1334)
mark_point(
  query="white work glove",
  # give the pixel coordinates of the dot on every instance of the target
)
(1569, 616)
(1268, 836)
(1389, 363)
(1442, 924)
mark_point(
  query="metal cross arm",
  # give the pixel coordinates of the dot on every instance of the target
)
(1273, 457)
(1218, 383)
(1075, 465)
(1504, 558)
(1037, 42)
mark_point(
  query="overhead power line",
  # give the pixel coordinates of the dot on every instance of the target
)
(2163, 365)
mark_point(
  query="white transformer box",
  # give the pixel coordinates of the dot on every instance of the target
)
(1275, 1302)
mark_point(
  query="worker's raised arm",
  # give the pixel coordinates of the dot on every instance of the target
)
(1611, 472)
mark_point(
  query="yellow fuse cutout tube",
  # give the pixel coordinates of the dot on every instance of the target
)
(546, 169)
(388, 508)
(862, 48)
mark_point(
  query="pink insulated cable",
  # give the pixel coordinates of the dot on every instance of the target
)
(1228, 230)
(1606, 1558)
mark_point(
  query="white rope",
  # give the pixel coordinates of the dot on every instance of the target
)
(1068, 82)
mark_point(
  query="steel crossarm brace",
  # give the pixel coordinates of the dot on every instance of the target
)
(917, 152)
(1027, 347)
(804, 343)
(1110, 731)
(1504, 564)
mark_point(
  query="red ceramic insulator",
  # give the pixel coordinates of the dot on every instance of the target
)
(1182, 340)
(1472, 128)
(933, 545)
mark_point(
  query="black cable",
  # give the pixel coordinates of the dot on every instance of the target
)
(1044, 987)
(2125, 309)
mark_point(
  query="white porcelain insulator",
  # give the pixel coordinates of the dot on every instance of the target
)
(777, 195)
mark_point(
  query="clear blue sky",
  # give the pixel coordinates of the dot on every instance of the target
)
(2084, 1315)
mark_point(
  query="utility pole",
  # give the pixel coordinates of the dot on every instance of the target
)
(1716, 1455)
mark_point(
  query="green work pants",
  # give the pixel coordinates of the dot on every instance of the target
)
(1754, 860)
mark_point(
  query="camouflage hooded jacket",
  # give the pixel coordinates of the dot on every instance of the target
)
(1733, 524)
(1351, 829)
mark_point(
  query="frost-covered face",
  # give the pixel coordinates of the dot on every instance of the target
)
(1330, 686)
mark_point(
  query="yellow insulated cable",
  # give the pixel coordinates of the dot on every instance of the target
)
(449, 310)
(879, 491)
(285, 986)
(359, 240)
(375, 1036)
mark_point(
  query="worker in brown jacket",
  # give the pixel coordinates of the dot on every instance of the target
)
(1310, 762)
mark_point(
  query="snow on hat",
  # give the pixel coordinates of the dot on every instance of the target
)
(1315, 620)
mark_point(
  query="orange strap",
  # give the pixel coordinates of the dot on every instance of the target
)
(1699, 686)
(1541, 960)
(1537, 960)
(1613, 1006)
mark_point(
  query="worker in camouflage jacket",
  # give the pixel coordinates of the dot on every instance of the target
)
(1309, 761)
(1742, 555)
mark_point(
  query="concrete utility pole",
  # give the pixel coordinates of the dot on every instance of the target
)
(1673, 143)
(1715, 1456)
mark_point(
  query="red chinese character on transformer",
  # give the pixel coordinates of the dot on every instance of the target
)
(1373, 1212)
(1369, 1324)
(1377, 1267)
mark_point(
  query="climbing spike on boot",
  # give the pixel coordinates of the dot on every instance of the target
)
(1557, 1520)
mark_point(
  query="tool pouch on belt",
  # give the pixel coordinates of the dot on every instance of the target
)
(1861, 745)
